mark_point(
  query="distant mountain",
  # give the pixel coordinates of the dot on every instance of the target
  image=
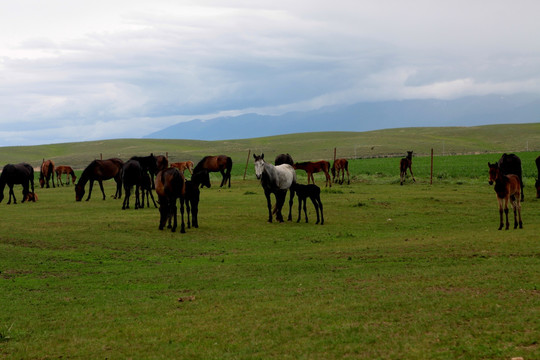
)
(365, 116)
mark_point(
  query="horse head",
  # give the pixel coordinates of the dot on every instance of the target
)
(259, 165)
(79, 192)
(202, 178)
(493, 172)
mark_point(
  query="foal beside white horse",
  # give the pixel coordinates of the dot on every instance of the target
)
(276, 180)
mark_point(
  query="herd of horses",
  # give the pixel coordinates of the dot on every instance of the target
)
(171, 185)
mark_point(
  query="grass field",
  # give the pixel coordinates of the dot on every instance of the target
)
(397, 272)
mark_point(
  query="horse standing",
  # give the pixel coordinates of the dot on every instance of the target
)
(313, 192)
(507, 188)
(100, 170)
(276, 180)
(183, 166)
(404, 164)
(170, 186)
(46, 173)
(340, 166)
(311, 167)
(23, 174)
(193, 196)
(537, 183)
(146, 189)
(511, 164)
(221, 163)
(63, 169)
(132, 175)
(284, 159)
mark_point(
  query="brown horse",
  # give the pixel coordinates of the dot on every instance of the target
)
(64, 169)
(183, 166)
(46, 173)
(23, 174)
(311, 167)
(170, 186)
(221, 163)
(537, 183)
(100, 170)
(507, 188)
(404, 164)
(340, 165)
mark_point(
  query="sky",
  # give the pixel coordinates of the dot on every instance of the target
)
(83, 70)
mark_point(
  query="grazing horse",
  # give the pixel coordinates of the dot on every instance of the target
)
(311, 167)
(63, 169)
(170, 186)
(132, 174)
(507, 187)
(23, 174)
(193, 195)
(537, 183)
(404, 164)
(511, 164)
(314, 193)
(340, 165)
(221, 163)
(276, 180)
(46, 173)
(284, 159)
(100, 170)
(183, 166)
(146, 189)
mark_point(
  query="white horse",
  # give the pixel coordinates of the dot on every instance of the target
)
(276, 180)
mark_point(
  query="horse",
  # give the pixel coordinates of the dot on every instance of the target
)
(170, 186)
(23, 174)
(199, 179)
(404, 164)
(340, 165)
(162, 162)
(221, 163)
(276, 180)
(507, 187)
(146, 189)
(311, 167)
(314, 193)
(63, 169)
(100, 170)
(183, 166)
(132, 173)
(284, 159)
(148, 163)
(511, 164)
(46, 173)
(537, 183)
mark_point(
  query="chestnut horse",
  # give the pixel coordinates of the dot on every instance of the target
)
(221, 163)
(100, 170)
(404, 164)
(23, 174)
(170, 186)
(183, 166)
(63, 169)
(311, 167)
(46, 173)
(537, 183)
(507, 188)
(340, 165)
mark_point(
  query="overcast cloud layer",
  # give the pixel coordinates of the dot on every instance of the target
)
(83, 70)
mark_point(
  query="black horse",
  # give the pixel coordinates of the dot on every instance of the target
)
(284, 159)
(511, 164)
(313, 192)
(199, 179)
(22, 174)
(132, 175)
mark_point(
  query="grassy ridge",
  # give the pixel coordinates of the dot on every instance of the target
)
(306, 146)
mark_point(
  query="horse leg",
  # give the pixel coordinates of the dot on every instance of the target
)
(125, 203)
(11, 194)
(223, 177)
(320, 208)
(195, 213)
(137, 202)
(299, 208)
(269, 204)
(519, 213)
(291, 202)
(90, 187)
(182, 225)
(280, 200)
(501, 223)
(410, 169)
(25, 192)
(101, 187)
(188, 210)
(316, 205)
(328, 181)
(304, 200)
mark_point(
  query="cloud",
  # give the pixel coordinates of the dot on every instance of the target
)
(84, 71)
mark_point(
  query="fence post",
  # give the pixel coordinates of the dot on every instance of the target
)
(247, 163)
(431, 177)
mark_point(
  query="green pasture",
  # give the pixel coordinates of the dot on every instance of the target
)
(418, 271)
